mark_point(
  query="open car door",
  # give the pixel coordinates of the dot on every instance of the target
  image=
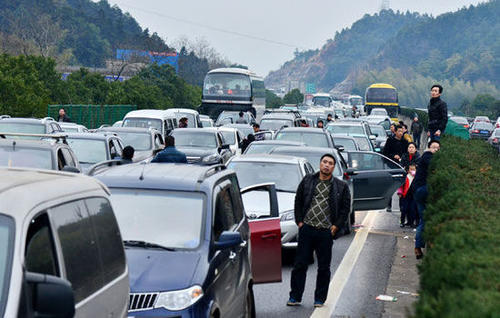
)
(261, 207)
(375, 179)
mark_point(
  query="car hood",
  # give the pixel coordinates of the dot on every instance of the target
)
(196, 151)
(157, 270)
(257, 202)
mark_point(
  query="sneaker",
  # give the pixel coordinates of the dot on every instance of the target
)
(292, 302)
(318, 304)
(401, 225)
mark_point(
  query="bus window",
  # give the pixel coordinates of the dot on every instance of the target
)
(227, 85)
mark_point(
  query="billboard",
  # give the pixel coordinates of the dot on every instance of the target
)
(159, 58)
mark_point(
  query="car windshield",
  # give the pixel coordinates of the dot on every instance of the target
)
(143, 123)
(22, 128)
(6, 249)
(378, 130)
(139, 141)
(483, 125)
(190, 117)
(363, 143)
(229, 137)
(275, 124)
(378, 112)
(309, 138)
(227, 85)
(256, 148)
(312, 157)
(245, 130)
(229, 118)
(348, 144)
(194, 139)
(26, 157)
(286, 176)
(171, 219)
(88, 151)
(345, 129)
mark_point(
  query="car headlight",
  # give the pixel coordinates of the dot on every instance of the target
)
(179, 299)
(287, 216)
(210, 158)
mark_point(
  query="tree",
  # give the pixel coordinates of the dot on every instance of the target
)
(272, 100)
(293, 97)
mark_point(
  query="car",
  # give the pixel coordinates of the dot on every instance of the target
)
(233, 137)
(243, 128)
(158, 119)
(230, 117)
(365, 144)
(206, 121)
(52, 153)
(61, 250)
(286, 172)
(192, 115)
(92, 148)
(72, 127)
(379, 112)
(494, 139)
(265, 135)
(483, 119)
(264, 146)
(461, 121)
(29, 126)
(497, 124)
(202, 145)
(314, 137)
(381, 136)
(190, 248)
(117, 123)
(352, 128)
(339, 112)
(481, 130)
(147, 142)
(276, 120)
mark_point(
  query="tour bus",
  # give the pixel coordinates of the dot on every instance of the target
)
(233, 89)
(382, 96)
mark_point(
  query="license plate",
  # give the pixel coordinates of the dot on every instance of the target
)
(484, 132)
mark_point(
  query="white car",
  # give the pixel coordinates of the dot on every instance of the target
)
(233, 137)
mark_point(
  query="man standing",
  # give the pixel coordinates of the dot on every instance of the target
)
(396, 145)
(170, 154)
(63, 117)
(416, 131)
(438, 113)
(241, 119)
(322, 205)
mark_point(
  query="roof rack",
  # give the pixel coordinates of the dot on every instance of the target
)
(283, 111)
(104, 164)
(210, 172)
(4, 116)
(57, 137)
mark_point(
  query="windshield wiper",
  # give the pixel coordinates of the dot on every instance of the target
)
(145, 244)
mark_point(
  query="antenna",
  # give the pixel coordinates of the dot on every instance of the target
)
(142, 172)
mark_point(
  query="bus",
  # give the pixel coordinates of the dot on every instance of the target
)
(382, 96)
(322, 99)
(233, 89)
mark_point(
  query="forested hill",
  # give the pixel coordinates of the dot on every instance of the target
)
(78, 32)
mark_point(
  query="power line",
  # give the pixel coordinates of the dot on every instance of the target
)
(250, 36)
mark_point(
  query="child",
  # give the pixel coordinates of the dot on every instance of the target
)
(407, 204)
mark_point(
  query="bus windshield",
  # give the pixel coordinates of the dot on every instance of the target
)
(381, 95)
(227, 85)
(322, 101)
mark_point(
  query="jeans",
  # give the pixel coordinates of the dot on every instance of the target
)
(421, 197)
(433, 136)
(312, 239)
(416, 139)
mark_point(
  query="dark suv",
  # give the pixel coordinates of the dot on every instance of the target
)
(191, 250)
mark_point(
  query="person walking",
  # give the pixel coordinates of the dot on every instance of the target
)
(406, 203)
(419, 188)
(416, 130)
(170, 154)
(241, 119)
(410, 157)
(438, 113)
(63, 117)
(322, 206)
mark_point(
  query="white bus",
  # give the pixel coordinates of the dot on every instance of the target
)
(233, 89)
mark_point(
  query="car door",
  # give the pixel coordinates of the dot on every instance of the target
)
(375, 179)
(265, 236)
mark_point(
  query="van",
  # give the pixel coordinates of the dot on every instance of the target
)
(158, 119)
(192, 115)
(61, 251)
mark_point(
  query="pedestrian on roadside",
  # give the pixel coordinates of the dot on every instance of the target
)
(416, 131)
(183, 122)
(406, 135)
(241, 119)
(407, 205)
(63, 117)
(246, 142)
(394, 149)
(410, 157)
(438, 113)
(322, 205)
(320, 124)
(419, 188)
(170, 154)
(128, 154)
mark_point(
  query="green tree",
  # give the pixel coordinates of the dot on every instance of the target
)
(293, 97)
(272, 100)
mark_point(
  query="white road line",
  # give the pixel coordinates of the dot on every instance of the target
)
(344, 270)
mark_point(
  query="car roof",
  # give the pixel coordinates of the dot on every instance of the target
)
(24, 120)
(346, 123)
(125, 129)
(204, 129)
(15, 183)
(278, 142)
(226, 128)
(93, 136)
(279, 116)
(267, 158)
(27, 143)
(336, 136)
(181, 110)
(304, 130)
(163, 176)
(306, 149)
(233, 70)
(148, 113)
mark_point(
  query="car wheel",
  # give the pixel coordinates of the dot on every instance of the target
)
(249, 304)
(350, 222)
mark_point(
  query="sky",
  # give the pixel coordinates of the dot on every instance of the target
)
(263, 34)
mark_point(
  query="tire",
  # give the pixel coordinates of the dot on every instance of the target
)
(249, 304)
(350, 222)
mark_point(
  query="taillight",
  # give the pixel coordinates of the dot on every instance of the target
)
(475, 131)
(498, 125)
(466, 126)
(495, 140)
(346, 176)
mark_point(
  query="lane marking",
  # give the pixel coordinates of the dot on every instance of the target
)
(344, 270)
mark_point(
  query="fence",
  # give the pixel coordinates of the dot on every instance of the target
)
(92, 116)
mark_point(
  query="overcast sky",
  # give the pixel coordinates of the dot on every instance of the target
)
(263, 34)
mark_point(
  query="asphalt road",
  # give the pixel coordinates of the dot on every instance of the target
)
(367, 279)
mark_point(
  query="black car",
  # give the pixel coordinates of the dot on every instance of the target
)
(202, 145)
(481, 130)
(190, 249)
(313, 137)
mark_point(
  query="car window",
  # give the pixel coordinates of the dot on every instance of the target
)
(286, 176)
(40, 256)
(223, 217)
(229, 137)
(236, 196)
(79, 248)
(367, 161)
(61, 161)
(108, 237)
(26, 157)
(68, 157)
(140, 141)
(88, 150)
(194, 139)
(363, 143)
(310, 139)
(6, 256)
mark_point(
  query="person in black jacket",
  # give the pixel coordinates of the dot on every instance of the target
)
(416, 130)
(63, 117)
(396, 146)
(438, 113)
(322, 206)
(410, 157)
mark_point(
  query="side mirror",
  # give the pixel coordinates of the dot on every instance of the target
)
(51, 296)
(71, 169)
(340, 148)
(351, 172)
(228, 239)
